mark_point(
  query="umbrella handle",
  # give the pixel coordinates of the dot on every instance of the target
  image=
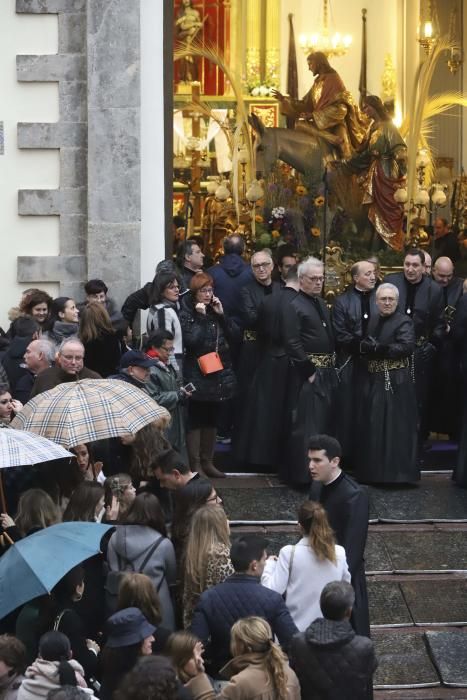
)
(2, 496)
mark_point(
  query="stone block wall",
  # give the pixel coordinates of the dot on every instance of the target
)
(98, 135)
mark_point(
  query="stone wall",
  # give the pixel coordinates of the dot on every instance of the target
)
(98, 136)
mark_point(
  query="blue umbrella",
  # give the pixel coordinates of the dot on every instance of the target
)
(32, 566)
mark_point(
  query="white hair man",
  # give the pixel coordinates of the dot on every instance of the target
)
(387, 427)
(69, 366)
(309, 343)
(39, 356)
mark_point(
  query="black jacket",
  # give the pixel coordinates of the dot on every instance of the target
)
(427, 312)
(13, 358)
(103, 354)
(347, 318)
(238, 596)
(201, 333)
(394, 335)
(307, 329)
(136, 301)
(229, 275)
(252, 296)
(332, 662)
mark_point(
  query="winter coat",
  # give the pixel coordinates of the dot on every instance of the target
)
(332, 662)
(249, 680)
(42, 676)
(62, 330)
(53, 376)
(238, 596)
(127, 549)
(229, 275)
(163, 387)
(103, 354)
(302, 578)
(9, 687)
(165, 316)
(201, 334)
(136, 301)
(218, 568)
(13, 358)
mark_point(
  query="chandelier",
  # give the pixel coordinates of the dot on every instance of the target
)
(327, 41)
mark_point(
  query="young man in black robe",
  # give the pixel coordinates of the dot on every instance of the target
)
(347, 508)
(309, 343)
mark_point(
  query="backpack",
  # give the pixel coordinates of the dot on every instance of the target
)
(113, 578)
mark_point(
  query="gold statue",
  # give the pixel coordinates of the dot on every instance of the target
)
(327, 110)
(188, 24)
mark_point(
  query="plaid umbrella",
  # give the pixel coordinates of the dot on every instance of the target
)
(18, 448)
(88, 410)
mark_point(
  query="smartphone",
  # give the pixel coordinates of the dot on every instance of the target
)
(190, 388)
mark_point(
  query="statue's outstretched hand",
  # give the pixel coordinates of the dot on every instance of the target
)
(275, 93)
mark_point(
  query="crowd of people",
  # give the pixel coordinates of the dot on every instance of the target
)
(247, 354)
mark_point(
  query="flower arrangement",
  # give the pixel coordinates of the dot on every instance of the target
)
(260, 90)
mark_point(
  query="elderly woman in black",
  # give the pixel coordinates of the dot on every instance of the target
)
(205, 330)
(388, 421)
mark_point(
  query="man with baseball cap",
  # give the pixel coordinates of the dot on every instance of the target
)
(134, 368)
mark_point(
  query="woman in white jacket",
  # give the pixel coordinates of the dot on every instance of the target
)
(302, 570)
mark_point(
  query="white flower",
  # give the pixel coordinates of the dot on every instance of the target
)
(263, 90)
(255, 91)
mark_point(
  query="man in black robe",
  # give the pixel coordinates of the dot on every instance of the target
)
(421, 298)
(264, 423)
(252, 296)
(309, 343)
(445, 401)
(351, 314)
(347, 507)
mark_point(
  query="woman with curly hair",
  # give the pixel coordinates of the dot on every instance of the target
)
(37, 304)
(302, 570)
(259, 669)
(207, 556)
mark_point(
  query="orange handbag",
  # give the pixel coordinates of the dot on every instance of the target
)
(211, 362)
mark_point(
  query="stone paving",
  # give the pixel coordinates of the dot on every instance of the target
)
(416, 563)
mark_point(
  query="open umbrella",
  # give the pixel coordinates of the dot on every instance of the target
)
(88, 410)
(19, 448)
(32, 566)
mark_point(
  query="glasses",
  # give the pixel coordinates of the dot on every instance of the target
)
(314, 279)
(206, 290)
(258, 266)
(70, 358)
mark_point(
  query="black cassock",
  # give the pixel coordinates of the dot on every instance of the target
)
(445, 398)
(387, 424)
(459, 336)
(347, 507)
(263, 419)
(423, 303)
(351, 314)
(307, 330)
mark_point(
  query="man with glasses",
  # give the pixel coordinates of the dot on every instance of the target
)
(252, 296)
(69, 367)
(309, 343)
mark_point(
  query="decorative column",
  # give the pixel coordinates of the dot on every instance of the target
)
(253, 42)
(271, 77)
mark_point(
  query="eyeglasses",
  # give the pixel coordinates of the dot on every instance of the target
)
(314, 279)
(258, 266)
(166, 349)
(206, 290)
